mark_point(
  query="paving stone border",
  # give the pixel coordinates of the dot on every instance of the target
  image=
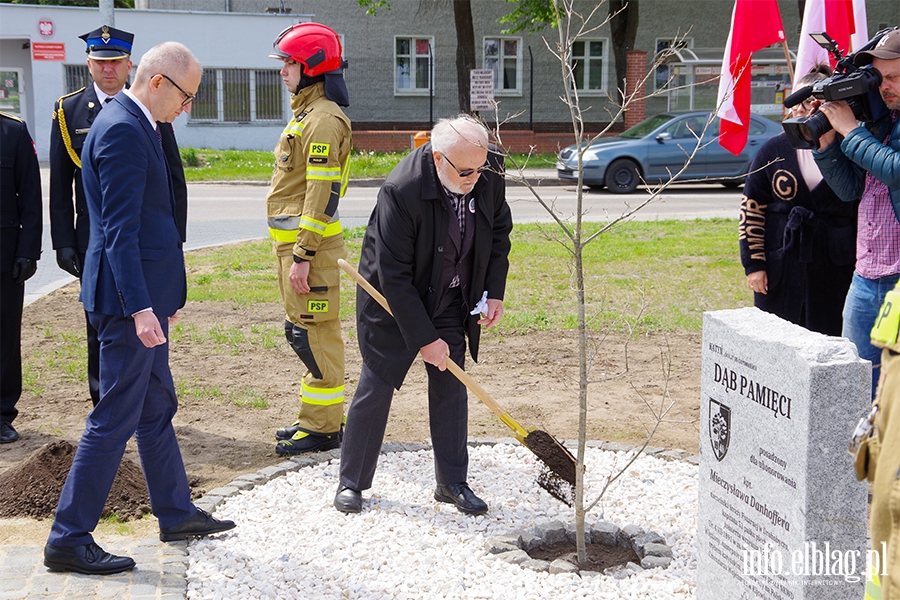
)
(513, 548)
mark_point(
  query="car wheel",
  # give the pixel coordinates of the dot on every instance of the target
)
(622, 177)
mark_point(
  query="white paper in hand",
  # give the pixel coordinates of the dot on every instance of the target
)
(482, 306)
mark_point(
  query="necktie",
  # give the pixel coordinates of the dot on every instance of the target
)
(458, 202)
(163, 150)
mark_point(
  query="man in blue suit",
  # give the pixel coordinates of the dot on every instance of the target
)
(109, 63)
(132, 285)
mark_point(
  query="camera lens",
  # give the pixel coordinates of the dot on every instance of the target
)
(804, 132)
(815, 126)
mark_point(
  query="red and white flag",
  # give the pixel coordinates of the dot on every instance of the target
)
(755, 24)
(843, 20)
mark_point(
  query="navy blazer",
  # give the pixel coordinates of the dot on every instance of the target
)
(70, 224)
(134, 258)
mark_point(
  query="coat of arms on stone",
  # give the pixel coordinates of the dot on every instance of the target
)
(719, 428)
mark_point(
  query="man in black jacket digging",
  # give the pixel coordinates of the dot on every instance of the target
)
(436, 246)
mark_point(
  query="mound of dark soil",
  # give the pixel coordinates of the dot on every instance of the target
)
(599, 556)
(32, 487)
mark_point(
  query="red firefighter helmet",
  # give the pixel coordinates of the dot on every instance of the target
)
(313, 45)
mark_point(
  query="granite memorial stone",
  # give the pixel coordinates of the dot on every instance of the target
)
(781, 514)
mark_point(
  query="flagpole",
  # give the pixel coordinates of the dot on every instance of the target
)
(787, 57)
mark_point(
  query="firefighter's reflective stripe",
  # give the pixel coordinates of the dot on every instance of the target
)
(294, 127)
(323, 173)
(873, 586)
(322, 396)
(320, 227)
(285, 229)
(345, 176)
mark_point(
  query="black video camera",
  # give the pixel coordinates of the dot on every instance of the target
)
(858, 86)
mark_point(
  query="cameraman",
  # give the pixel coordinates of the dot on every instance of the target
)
(866, 166)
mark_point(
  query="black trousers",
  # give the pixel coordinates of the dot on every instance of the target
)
(448, 413)
(12, 297)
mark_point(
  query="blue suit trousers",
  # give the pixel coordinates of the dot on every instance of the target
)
(137, 397)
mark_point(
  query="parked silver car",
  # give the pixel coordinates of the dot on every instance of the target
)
(657, 148)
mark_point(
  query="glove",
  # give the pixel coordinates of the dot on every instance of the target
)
(69, 261)
(22, 269)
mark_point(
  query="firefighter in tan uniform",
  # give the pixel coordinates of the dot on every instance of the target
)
(879, 460)
(311, 162)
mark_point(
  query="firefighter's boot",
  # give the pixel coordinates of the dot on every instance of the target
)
(302, 442)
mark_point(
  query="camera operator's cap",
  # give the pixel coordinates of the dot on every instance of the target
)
(887, 48)
(108, 43)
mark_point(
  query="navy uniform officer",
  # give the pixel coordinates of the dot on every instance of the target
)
(20, 249)
(109, 62)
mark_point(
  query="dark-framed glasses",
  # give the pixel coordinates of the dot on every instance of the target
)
(188, 98)
(467, 172)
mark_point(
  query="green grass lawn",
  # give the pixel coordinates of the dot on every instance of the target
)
(203, 164)
(668, 272)
(662, 275)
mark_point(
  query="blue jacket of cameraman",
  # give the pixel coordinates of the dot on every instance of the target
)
(844, 166)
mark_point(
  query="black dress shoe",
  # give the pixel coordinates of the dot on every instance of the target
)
(7, 433)
(347, 500)
(460, 495)
(89, 559)
(201, 524)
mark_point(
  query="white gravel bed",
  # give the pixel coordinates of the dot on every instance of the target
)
(290, 542)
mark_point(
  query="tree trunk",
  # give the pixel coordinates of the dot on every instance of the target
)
(578, 245)
(624, 31)
(465, 50)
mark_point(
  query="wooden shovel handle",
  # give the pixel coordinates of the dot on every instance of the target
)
(454, 368)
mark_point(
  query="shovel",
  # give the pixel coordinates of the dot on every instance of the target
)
(558, 475)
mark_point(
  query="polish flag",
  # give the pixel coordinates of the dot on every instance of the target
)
(843, 20)
(755, 24)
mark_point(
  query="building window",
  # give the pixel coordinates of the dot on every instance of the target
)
(77, 77)
(412, 57)
(238, 96)
(589, 65)
(10, 95)
(664, 72)
(504, 57)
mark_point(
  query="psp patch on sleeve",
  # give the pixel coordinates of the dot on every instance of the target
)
(319, 149)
